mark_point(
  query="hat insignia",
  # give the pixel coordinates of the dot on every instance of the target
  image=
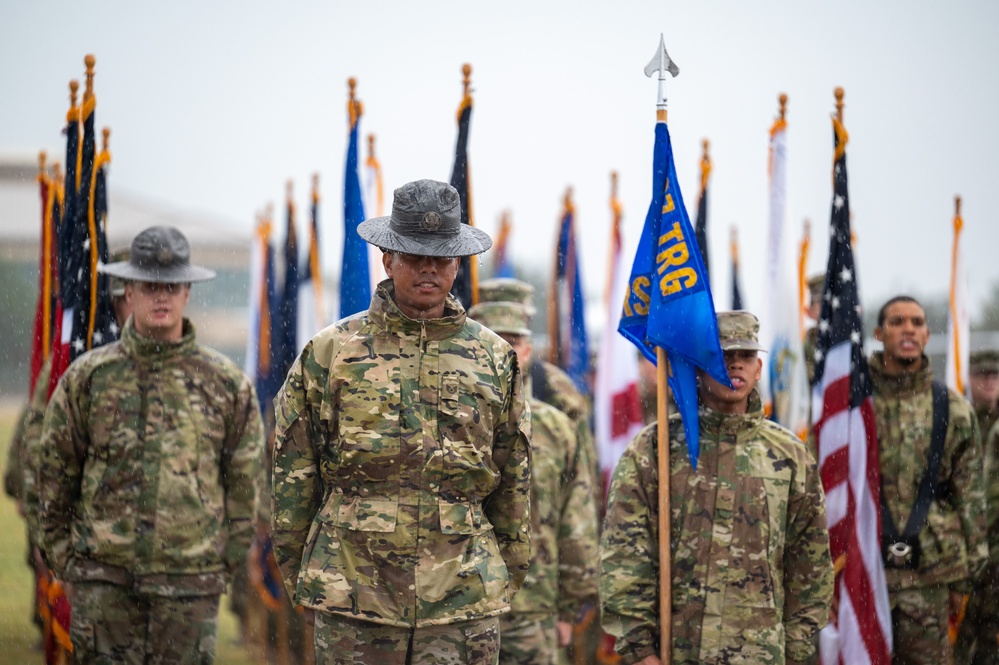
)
(431, 221)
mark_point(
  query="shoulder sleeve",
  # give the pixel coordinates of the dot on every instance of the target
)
(966, 483)
(508, 508)
(296, 492)
(629, 552)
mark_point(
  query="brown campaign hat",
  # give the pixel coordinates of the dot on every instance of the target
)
(426, 221)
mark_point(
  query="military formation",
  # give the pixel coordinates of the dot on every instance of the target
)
(434, 486)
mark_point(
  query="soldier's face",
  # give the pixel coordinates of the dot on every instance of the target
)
(421, 282)
(158, 309)
(984, 389)
(904, 334)
(744, 367)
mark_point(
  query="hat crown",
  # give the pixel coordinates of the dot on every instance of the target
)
(160, 247)
(503, 317)
(426, 207)
(506, 289)
(738, 330)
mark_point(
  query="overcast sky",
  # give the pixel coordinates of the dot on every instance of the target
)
(213, 106)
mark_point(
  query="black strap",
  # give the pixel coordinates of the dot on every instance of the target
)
(929, 488)
(539, 382)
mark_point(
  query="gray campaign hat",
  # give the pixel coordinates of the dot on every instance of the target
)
(425, 220)
(159, 254)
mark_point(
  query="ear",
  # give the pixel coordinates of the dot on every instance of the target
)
(879, 334)
(387, 263)
(759, 368)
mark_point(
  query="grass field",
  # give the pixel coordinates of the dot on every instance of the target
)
(18, 636)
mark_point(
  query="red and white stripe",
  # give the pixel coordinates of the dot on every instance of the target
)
(851, 477)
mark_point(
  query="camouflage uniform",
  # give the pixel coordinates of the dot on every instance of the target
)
(401, 490)
(752, 578)
(986, 362)
(147, 487)
(952, 543)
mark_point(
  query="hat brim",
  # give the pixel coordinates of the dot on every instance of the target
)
(468, 242)
(742, 345)
(167, 275)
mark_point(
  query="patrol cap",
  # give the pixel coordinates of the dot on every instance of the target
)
(426, 221)
(116, 285)
(510, 318)
(507, 289)
(815, 285)
(739, 330)
(159, 254)
(983, 362)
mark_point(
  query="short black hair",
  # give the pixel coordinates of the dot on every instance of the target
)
(883, 312)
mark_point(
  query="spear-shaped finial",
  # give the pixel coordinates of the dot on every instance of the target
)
(838, 92)
(466, 82)
(613, 184)
(89, 61)
(289, 189)
(105, 136)
(56, 171)
(705, 144)
(782, 99)
(957, 204)
(568, 198)
(41, 162)
(371, 145)
(74, 86)
(662, 63)
(734, 244)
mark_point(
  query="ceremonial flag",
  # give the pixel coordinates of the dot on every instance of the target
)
(701, 228)
(957, 314)
(466, 284)
(355, 282)
(261, 343)
(501, 261)
(286, 341)
(41, 340)
(736, 290)
(669, 301)
(786, 377)
(844, 431)
(617, 409)
(374, 204)
(311, 313)
(567, 346)
(66, 256)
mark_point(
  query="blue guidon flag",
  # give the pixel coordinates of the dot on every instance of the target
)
(669, 303)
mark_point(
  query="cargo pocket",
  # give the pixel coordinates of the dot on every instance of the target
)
(361, 514)
(482, 642)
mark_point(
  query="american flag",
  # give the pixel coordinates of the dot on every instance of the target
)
(843, 417)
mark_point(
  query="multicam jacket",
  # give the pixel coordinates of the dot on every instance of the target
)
(563, 572)
(402, 469)
(752, 579)
(953, 542)
(148, 466)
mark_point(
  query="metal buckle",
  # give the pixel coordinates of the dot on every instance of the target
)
(900, 553)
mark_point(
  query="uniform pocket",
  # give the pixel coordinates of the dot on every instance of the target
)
(360, 514)
(482, 642)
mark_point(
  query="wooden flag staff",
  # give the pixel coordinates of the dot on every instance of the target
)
(662, 64)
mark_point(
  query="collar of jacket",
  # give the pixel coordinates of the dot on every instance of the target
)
(899, 385)
(144, 348)
(385, 314)
(716, 421)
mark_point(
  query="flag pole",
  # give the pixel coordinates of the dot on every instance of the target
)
(662, 63)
